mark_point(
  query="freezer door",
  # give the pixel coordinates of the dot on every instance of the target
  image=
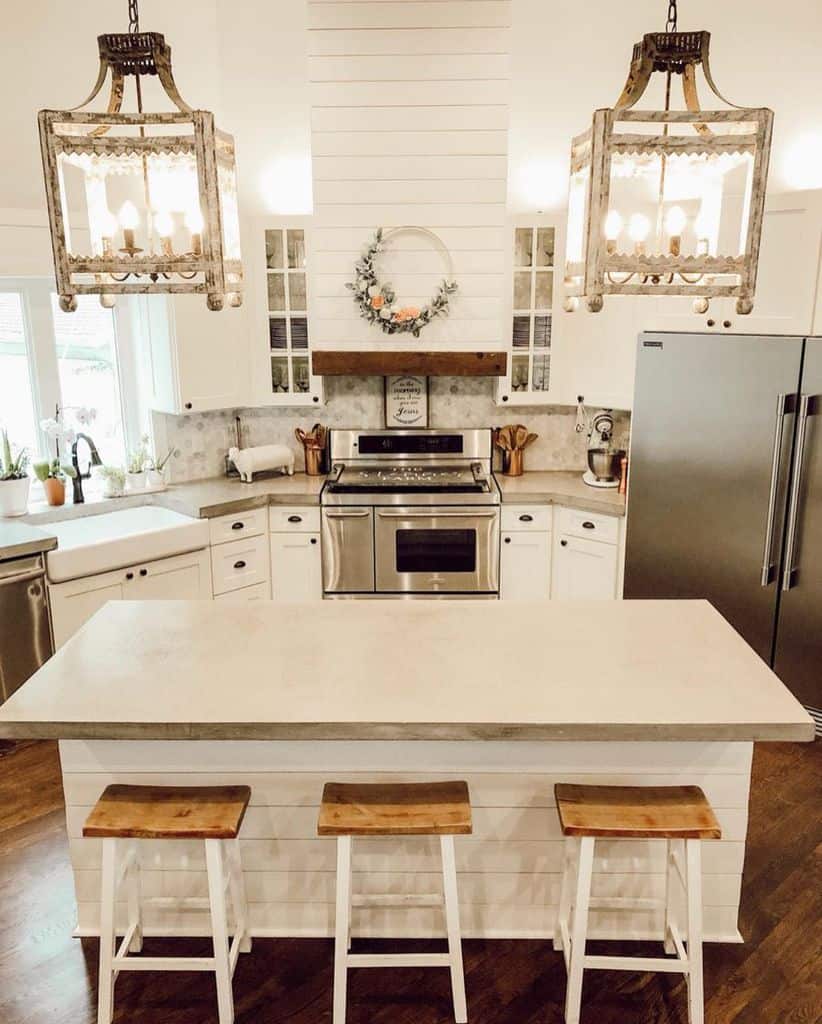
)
(798, 655)
(711, 440)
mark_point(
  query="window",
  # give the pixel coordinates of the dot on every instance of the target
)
(51, 359)
(533, 304)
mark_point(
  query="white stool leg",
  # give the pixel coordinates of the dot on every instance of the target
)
(238, 896)
(452, 919)
(342, 927)
(670, 895)
(693, 855)
(108, 894)
(350, 892)
(564, 910)
(219, 929)
(135, 901)
(573, 997)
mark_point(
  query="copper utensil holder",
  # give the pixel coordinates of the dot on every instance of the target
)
(314, 461)
(512, 462)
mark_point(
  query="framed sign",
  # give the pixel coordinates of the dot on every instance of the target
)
(406, 401)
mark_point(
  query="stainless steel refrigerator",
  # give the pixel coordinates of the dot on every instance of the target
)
(725, 489)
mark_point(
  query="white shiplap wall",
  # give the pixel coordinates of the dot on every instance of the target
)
(409, 126)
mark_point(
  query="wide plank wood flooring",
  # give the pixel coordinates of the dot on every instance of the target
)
(47, 977)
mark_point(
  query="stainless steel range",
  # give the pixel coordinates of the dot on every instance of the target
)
(410, 513)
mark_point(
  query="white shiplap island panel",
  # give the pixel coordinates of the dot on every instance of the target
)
(284, 698)
(409, 120)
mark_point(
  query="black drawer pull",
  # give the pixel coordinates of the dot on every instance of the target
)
(239, 565)
(564, 543)
(237, 526)
(144, 572)
(295, 519)
(507, 540)
(588, 525)
(313, 540)
(526, 518)
(129, 575)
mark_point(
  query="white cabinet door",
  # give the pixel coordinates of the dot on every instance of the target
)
(74, 602)
(181, 578)
(525, 566)
(583, 569)
(197, 359)
(296, 568)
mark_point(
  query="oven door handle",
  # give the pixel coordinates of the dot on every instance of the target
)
(359, 513)
(462, 514)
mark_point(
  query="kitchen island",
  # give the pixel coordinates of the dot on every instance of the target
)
(513, 698)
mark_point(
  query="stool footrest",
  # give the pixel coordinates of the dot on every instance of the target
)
(361, 900)
(178, 902)
(636, 963)
(398, 960)
(623, 903)
(164, 963)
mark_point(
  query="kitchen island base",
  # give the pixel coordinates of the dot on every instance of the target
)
(509, 869)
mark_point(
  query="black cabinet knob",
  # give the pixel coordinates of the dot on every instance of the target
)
(526, 518)
(588, 525)
(564, 543)
(188, 405)
(727, 323)
(237, 526)
(240, 564)
(711, 322)
(507, 540)
(313, 540)
(295, 519)
(144, 572)
(129, 575)
(505, 398)
(315, 399)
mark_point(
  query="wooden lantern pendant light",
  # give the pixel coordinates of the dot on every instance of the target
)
(140, 202)
(668, 202)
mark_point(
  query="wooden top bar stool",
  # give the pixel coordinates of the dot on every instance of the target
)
(396, 809)
(682, 816)
(212, 814)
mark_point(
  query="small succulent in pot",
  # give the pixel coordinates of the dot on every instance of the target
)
(53, 475)
(14, 480)
(114, 481)
(136, 465)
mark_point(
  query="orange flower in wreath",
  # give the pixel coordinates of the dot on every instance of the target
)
(377, 302)
(406, 313)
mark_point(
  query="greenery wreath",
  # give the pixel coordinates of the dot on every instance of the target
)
(377, 300)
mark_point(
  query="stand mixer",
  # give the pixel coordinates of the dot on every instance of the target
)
(604, 460)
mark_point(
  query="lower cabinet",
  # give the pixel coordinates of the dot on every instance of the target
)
(181, 577)
(525, 566)
(296, 567)
(584, 567)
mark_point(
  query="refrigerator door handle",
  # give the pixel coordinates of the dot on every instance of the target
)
(808, 406)
(784, 405)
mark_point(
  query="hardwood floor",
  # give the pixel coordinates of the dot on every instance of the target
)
(47, 977)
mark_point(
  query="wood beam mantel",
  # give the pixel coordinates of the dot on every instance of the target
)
(339, 362)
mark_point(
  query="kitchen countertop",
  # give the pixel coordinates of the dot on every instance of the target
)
(560, 488)
(406, 670)
(223, 496)
(18, 539)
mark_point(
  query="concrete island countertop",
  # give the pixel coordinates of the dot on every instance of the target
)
(18, 539)
(406, 670)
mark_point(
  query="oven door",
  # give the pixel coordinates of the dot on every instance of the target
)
(437, 550)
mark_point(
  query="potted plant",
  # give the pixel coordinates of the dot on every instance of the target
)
(155, 475)
(114, 481)
(53, 477)
(14, 481)
(136, 464)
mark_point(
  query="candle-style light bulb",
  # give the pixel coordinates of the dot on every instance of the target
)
(108, 229)
(613, 229)
(129, 219)
(703, 232)
(164, 225)
(638, 229)
(675, 221)
(194, 223)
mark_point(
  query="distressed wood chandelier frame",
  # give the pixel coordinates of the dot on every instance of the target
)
(212, 264)
(597, 269)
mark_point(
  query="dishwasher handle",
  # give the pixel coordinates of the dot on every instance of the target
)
(22, 577)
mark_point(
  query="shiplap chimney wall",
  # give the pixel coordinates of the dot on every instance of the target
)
(409, 126)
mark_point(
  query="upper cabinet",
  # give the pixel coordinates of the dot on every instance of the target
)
(194, 359)
(530, 315)
(278, 268)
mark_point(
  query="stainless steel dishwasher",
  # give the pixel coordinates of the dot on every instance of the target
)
(25, 634)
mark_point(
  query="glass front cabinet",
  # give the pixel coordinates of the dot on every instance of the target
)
(280, 322)
(531, 284)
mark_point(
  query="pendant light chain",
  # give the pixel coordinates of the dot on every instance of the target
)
(133, 17)
(670, 25)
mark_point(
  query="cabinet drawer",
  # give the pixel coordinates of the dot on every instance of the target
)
(259, 592)
(294, 518)
(243, 524)
(526, 517)
(242, 563)
(588, 525)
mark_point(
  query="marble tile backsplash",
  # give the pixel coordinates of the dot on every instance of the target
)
(200, 441)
